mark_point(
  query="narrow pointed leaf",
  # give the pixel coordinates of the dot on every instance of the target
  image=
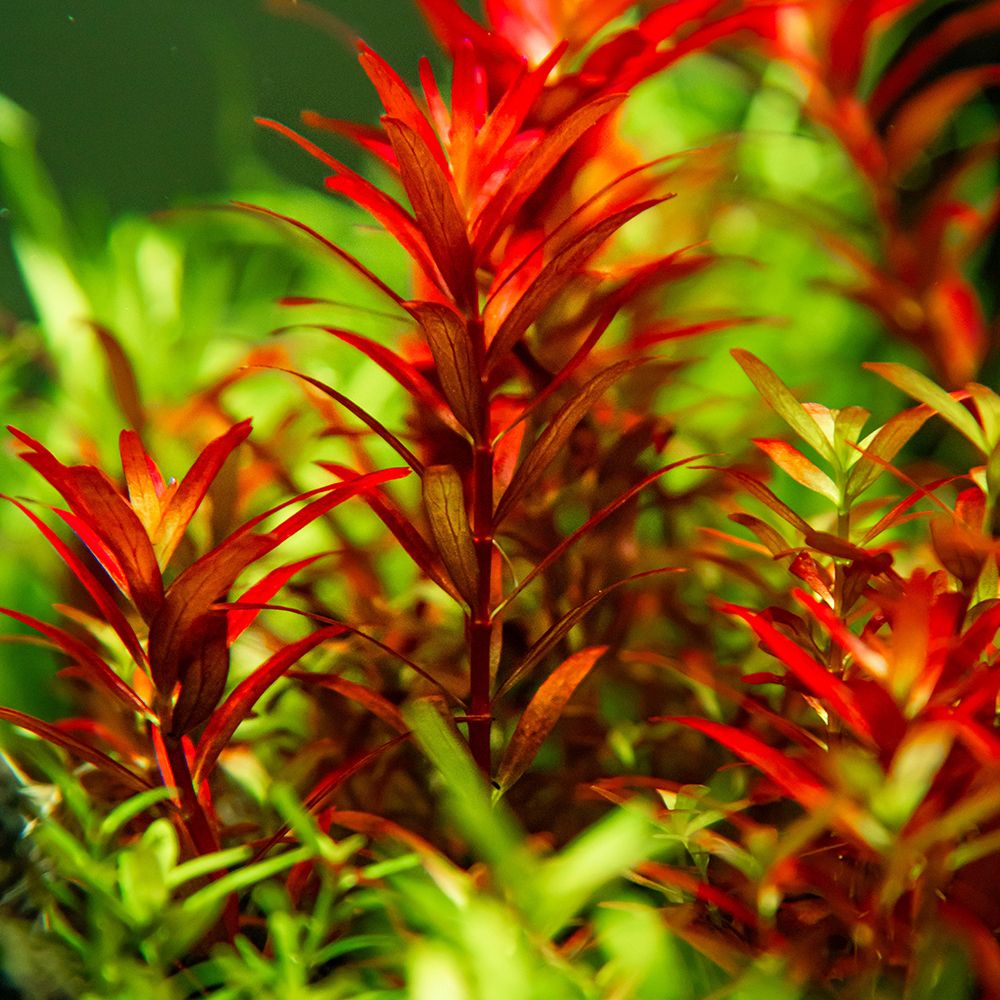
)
(444, 503)
(191, 492)
(760, 492)
(536, 165)
(123, 379)
(262, 592)
(788, 774)
(925, 391)
(550, 442)
(329, 245)
(543, 712)
(779, 397)
(399, 102)
(106, 603)
(592, 522)
(454, 359)
(884, 444)
(376, 703)
(557, 273)
(813, 675)
(556, 632)
(142, 487)
(95, 667)
(76, 747)
(227, 717)
(429, 189)
(792, 461)
(365, 417)
(412, 541)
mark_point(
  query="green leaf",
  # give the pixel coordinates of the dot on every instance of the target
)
(490, 828)
(126, 811)
(143, 869)
(779, 397)
(550, 442)
(444, 502)
(543, 713)
(884, 444)
(944, 404)
(988, 406)
(602, 853)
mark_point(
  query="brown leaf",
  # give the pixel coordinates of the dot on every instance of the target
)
(543, 713)
(444, 502)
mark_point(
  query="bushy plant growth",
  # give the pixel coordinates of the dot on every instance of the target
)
(525, 666)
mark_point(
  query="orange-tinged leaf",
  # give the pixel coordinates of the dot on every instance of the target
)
(444, 503)
(556, 274)
(884, 444)
(142, 487)
(550, 442)
(240, 703)
(792, 461)
(543, 712)
(923, 115)
(430, 192)
(76, 747)
(533, 168)
(454, 358)
(760, 492)
(123, 379)
(191, 492)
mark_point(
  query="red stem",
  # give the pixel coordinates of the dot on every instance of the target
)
(480, 717)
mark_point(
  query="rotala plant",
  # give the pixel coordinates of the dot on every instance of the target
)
(283, 657)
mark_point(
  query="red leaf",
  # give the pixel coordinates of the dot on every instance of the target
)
(532, 169)
(543, 712)
(347, 258)
(559, 272)
(181, 507)
(372, 700)
(144, 489)
(96, 669)
(238, 705)
(788, 774)
(400, 105)
(413, 543)
(76, 747)
(112, 613)
(365, 136)
(813, 675)
(365, 417)
(262, 592)
(428, 186)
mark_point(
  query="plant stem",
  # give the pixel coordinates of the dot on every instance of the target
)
(480, 718)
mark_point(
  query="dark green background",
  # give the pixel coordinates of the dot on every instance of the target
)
(140, 102)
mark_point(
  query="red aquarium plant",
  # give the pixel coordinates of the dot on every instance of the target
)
(170, 673)
(898, 125)
(512, 310)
